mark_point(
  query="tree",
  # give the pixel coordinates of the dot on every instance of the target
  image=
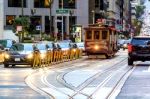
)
(25, 23)
(139, 10)
(137, 26)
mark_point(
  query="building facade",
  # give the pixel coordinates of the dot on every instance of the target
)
(63, 14)
(1, 18)
(58, 19)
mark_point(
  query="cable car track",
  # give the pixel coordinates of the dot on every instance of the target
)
(82, 86)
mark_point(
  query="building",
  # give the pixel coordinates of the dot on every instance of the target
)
(1, 18)
(115, 12)
(63, 14)
(135, 3)
(97, 10)
(126, 16)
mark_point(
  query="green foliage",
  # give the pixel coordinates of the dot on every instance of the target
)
(47, 37)
(139, 10)
(21, 21)
(137, 25)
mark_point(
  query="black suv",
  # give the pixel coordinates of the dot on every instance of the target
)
(139, 49)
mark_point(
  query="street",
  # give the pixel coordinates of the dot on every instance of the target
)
(79, 79)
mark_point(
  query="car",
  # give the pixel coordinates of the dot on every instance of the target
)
(66, 47)
(63, 45)
(7, 43)
(139, 49)
(19, 54)
(125, 44)
(42, 48)
(81, 46)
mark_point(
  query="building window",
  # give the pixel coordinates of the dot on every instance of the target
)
(16, 3)
(89, 35)
(47, 24)
(10, 19)
(41, 3)
(97, 3)
(68, 4)
(104, 35)
(101, 5)
(96, 35)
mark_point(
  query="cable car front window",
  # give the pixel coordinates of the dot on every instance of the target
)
(104, 34)
(96, 35)
(89, 35)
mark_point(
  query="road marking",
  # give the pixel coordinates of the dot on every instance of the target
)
(148, 70)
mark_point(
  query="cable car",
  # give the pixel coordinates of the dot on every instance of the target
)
(100, 40)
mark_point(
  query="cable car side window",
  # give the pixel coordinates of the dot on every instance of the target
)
(89, 35)
(104, 34)
(96, 35)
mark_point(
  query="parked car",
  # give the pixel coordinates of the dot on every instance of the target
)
(139, 49)
(19, 54)
(63, 45)
(42, 48)
(80, 46)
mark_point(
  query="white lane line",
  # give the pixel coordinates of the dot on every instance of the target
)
(148, 70)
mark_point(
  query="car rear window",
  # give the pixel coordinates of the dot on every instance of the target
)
(140, 41)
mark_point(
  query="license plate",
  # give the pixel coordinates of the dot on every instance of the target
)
(17, 59)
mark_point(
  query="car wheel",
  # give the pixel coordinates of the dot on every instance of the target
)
(6, 65)
(130, 61)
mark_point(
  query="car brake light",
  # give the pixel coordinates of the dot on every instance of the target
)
(130, 48)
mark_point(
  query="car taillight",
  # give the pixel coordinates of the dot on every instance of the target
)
(130, 48)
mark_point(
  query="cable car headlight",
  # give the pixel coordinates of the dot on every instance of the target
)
(30, 56)
(96, 47)
(74, 50)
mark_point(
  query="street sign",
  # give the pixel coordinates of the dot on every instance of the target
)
(19, 28)
(38, 27)
(62, 11)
